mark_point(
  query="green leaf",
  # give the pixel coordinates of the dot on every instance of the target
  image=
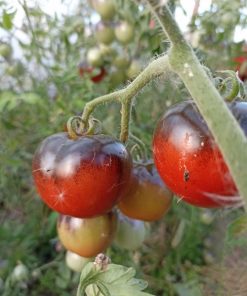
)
(238, 227)
(7, 20)
(116, 280)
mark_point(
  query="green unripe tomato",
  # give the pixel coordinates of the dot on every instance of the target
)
(124, 32)
(121, 62)
(105, 8)
(94, 57)
(133, 70)
(104, 33)
(117, 77)
(75, 262)
(107, 51)
(5, 50)
(130, 233)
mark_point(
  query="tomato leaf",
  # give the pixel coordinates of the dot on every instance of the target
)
(115, 280)
(7, 20)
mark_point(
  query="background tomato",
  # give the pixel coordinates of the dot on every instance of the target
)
(124, 32)
(148, 198)
(83, 177)
(86, 237)
(188, 159)
(96, 74)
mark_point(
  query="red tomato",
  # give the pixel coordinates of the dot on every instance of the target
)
(87, 237)
(241, 67)
(188, 159)
(95, 77)
(148, 198)
(81, 178)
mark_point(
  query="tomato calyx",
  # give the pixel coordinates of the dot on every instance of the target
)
(78, 127)
(230, 86)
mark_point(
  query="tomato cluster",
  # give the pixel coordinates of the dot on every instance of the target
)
(85, 180)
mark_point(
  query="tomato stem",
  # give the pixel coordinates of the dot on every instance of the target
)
(125, 96)
(220, 120)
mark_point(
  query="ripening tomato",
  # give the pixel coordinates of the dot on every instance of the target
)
(96, 74)
(87, 237)
(148, 198)
(81, 178)
(241, 67)
(188, 159)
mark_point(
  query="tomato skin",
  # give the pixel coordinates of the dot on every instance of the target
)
(81, 178)
(130, 233)
(241, 67)
(148, 198)
(188, 159)
(96, 78)
(75, 262)
(87, 237)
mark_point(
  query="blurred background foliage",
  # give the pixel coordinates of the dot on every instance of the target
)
(50, 80)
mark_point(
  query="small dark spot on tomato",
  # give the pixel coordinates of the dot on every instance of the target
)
(186, 176)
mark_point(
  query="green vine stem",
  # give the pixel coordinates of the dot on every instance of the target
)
(224, 127)
(155, 69)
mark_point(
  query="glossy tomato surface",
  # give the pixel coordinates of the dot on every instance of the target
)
(87, 237)
(188, 159)
(148, 198)
(81, 178)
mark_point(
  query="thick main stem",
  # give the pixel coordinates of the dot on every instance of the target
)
(223, 125)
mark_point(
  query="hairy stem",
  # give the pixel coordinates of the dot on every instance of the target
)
(125, 95)
(220, 120)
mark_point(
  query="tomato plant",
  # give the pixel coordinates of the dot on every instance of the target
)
(188, 159)
(148, 198)
(83, 177)
(86, 237)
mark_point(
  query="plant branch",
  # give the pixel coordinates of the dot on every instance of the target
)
(220, 120)
(125, 95)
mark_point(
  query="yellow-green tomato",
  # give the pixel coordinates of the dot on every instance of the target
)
(86, 237)
(121, 62)
(124, 32)
(75, 262)
(117, 77)
(107, 52)
(94, 57)
(104, 33)
(133, 70)
(130, 233)
(105, 8)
